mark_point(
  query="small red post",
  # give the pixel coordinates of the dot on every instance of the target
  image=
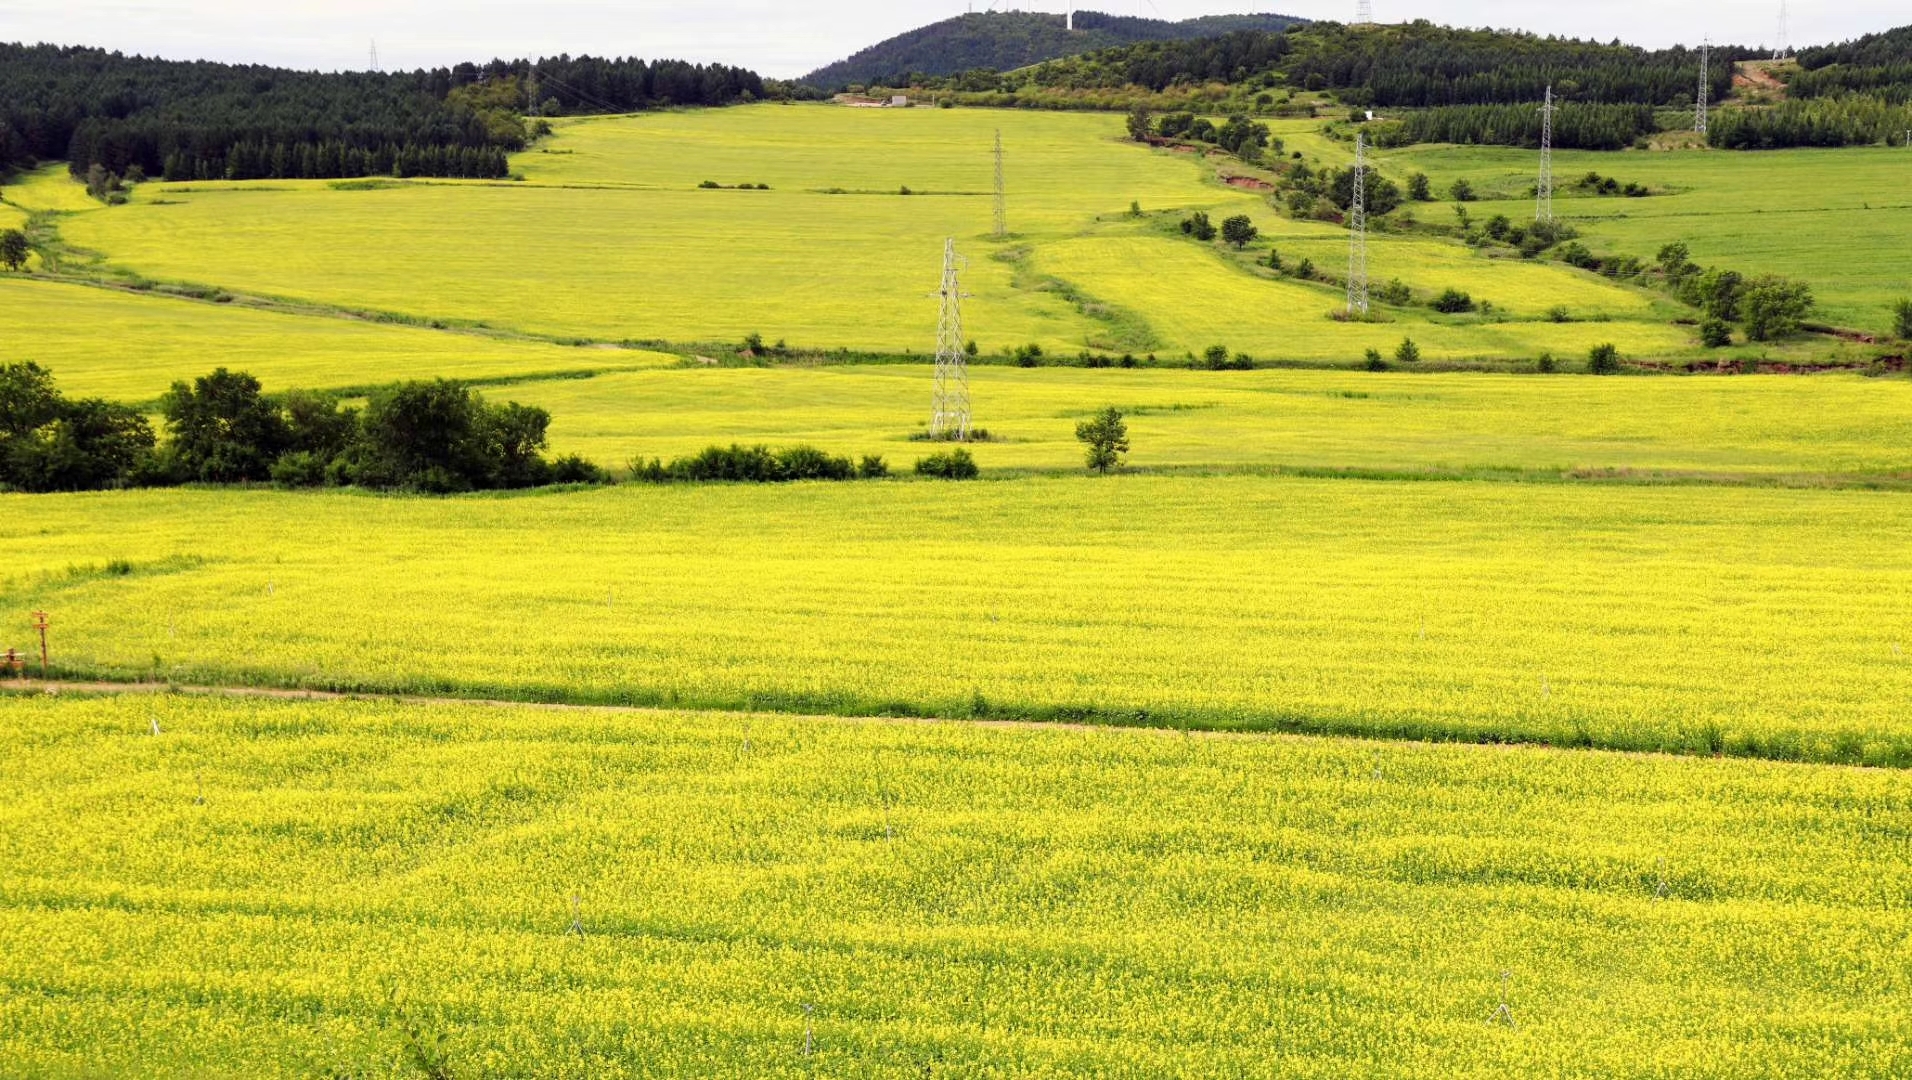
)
(40, 624)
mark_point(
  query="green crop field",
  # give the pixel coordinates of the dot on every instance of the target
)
(198, 887)
(1762, 622)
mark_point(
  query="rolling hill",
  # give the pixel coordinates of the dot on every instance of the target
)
(1002, 41)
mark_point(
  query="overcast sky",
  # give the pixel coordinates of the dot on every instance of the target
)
(781, 38)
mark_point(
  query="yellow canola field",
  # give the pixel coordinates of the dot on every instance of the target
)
(287, 889)
(1190, 420)
(108, 343)
(1770, 623)
(610, 237)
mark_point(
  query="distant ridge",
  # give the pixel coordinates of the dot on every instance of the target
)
(1004, 41)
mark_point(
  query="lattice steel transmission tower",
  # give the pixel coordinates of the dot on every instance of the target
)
(1364, 12)
(1783, 47)
(1706, 86)
(949, 417)
(1002, 196)
(374, 55)
(1358, 230)
(1543, 191)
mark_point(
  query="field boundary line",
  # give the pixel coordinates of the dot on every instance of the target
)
(29, 688)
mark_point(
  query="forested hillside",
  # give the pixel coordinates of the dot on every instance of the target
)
(1004, 41)
(197, 120)
(1414, 66)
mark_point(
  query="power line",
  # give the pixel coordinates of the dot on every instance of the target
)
(1358, 230)
(949, 415)
(1544, 191)
(1706, 86)
(1002, 198)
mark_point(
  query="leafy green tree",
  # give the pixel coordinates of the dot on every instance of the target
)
(1305, 270)
(1453, 302)
(423, 435)
(223, 428)
(1418, 188)
(1775, 307)
(954, 465)
(1240, 231)
(48, 443)
(1716, 333)
(1107, 437)
(1604, 360)
(1374, 361)
(1381, 196)
(1140, 126)
(1408, 353)
(14, 249)
(1215, 357)
(1719, 293)
(1461, 191)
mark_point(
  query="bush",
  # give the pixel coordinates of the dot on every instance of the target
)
(1453, 302)
(1305, 270)
(1107, 438)
(301, 468)
(1902, 319)
(1408, 353)
(1775, 307)
(1462, 191)
(1604, 360)
(1374, 361)
(1716, 333)
(1240, 231)
(1394, 292)
(1545, 365)
(1199, 227)
(1215, 357)
(1274, 263)
(573, 469)
(747, 464)
(955, 465)
(1028, 355)
(1559, 314)
(48, 443)
(872, 467)
(1574, 253)
(1417, 188)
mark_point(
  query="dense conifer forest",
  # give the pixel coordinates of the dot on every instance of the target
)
(203, 121)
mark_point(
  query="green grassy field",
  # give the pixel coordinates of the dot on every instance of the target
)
(1749, 621)
(610, 238)
(1759, 426)
(1838, 219)
(284, 889)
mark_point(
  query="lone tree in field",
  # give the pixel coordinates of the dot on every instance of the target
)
(1774, 307)
(1140, 126)
(1240, 231)
(14, 249)
(1107, 438)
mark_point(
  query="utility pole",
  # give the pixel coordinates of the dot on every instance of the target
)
(1544, 191)
(1706, 86)
(1002, 197)
(1358, 231)
(949, 417)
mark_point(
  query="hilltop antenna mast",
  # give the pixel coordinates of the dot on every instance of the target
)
(1706, 86)
(1784, 48)
(949, 417)
(1358, 230)
(1002, 197)
(1544, 191)
(1364, 12)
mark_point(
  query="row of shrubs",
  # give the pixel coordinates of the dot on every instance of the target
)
(762, 465)
(223, 429)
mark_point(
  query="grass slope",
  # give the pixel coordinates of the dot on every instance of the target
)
(610, 238)
(1752, 622)
(283, 889)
